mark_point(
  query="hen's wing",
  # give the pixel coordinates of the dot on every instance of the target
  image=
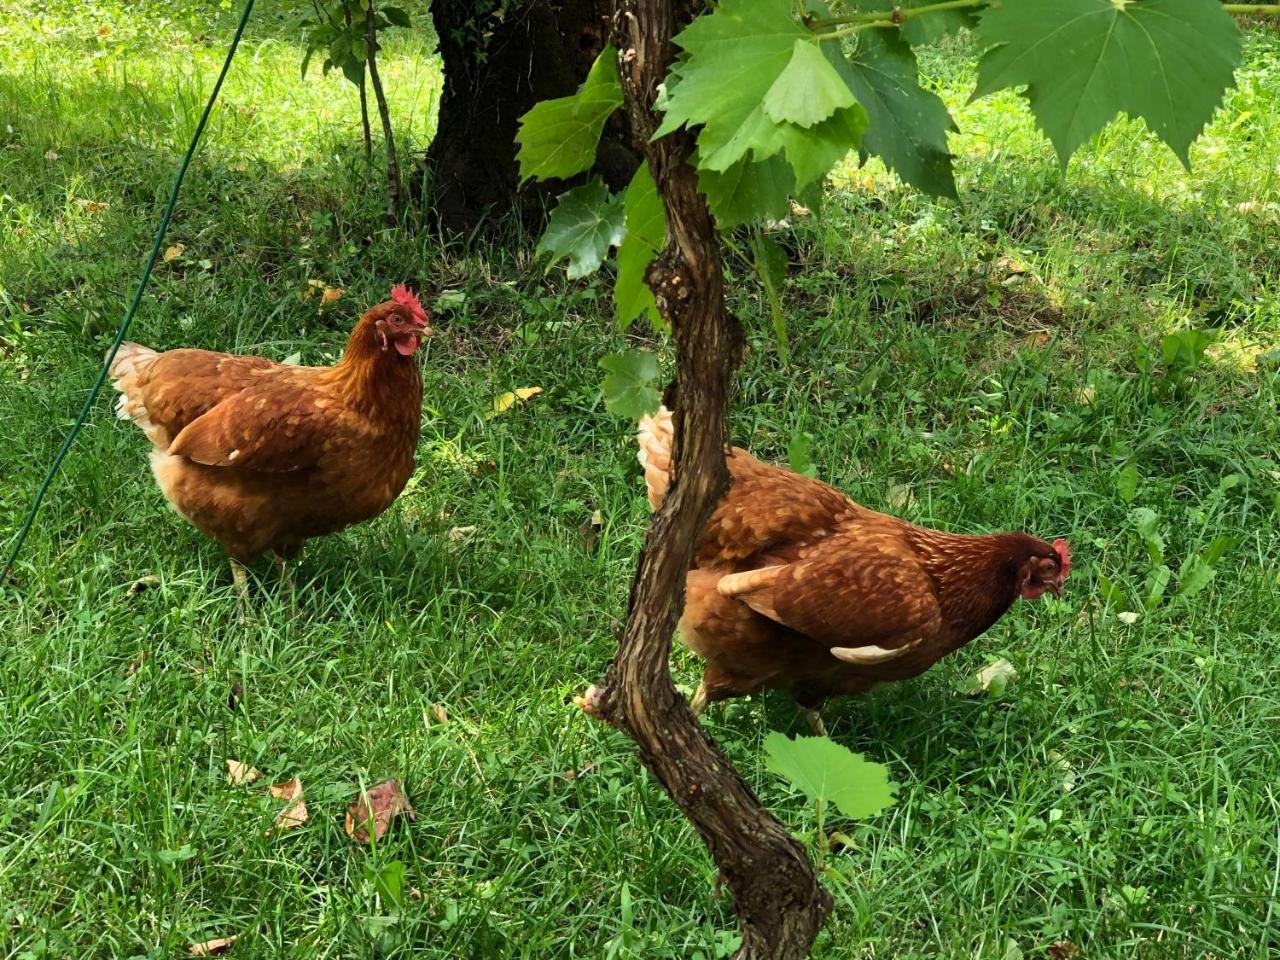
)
(165, 392)
(862, 593)
(770, 514)
(275, 426)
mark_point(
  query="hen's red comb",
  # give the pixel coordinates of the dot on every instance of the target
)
(1064, 556)
(406, 297)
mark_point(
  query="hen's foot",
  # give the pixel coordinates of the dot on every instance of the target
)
(240, 577)
(699, 701)
(814, 719)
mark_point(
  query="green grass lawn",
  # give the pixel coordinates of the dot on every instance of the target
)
(994, 364)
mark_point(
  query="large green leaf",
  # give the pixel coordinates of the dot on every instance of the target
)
(826, 772)
(748, 191)
(808, 90)
(732, 58)
(907, 125)
(646, 225)
(558, 138)
(1085, 61)
(586, 222)
(629, 389)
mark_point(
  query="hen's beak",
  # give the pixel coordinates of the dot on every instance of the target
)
(1054, 587)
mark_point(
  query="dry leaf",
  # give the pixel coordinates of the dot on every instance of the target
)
(384, 803)
(233, 698)
(136, 665)
(143, 584)
(1086, 395)
(1001, 670)
(460, 535)
(900, 497)
(441, 713)
(104, 31)
(242, 774)
(1249, 206)
(1038, 341)
(173, 252)
(330, 294)
(1128, 617)
(295, 812)
(51, 155)
(507, 400)
(92, 206)
(1062, 950)
(211, 948)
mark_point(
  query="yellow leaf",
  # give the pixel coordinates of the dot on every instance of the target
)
(241, 773)
(173, 252)
(507, 400)
(295, 812)
(211, 948)
(330, 294)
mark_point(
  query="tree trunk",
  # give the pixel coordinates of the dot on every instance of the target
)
(494, 71)
(780, 904)
(394, 190)
(364, 96)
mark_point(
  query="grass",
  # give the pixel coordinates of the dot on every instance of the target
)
(993, 364)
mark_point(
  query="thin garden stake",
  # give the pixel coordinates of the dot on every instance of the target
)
(21, 538)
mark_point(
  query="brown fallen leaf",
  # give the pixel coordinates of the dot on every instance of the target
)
(242, 774)
(173, 252)
(385, 802)
(1062, 950)
(295, 813)
(330, 294)
(212, 948)
(441, 713)
(233, 698)
(136, 665)
(143, 584)
(92, 206)
(504, 402)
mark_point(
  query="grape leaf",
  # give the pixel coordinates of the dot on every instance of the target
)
(558, 138)
(930, 28)
(586, 222)
(1085, 61)
(813, 152)
(628, 389)
(808, 90)
(646, 225)
(827, 772)
(732, 58)
(748, 190)
(907, 125)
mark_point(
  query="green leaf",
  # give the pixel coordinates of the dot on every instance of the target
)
(1127, 483)
(826, 772)
(586, 222)
(813, 152)
(646, 234)
(1148, 523)
(732, 57)
(1213, 553)
(799, 457)
(628, 389)
(771, 266)
(1085, 61)
(397, 16)
(808, 90)
(353, 70)
(907, 125)
(558, 138)
(747, 191)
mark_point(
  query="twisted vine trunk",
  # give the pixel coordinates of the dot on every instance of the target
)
(780, 904)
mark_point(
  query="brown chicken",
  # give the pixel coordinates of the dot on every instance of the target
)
(262, 455)
(795, 587)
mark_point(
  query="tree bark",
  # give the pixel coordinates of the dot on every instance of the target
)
(394, 189)
(494, 71)
(780, 904)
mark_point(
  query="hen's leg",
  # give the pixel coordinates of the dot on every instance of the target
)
(700, 699)
(240, 577)
(286, 579)
(813, 716)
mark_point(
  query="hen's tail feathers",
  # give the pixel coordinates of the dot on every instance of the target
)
(655, 436)
(130, 360)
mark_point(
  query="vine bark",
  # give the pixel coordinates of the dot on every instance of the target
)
(780, 904)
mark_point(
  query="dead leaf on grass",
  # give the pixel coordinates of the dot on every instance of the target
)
(242, 774)
(330, 294)
(506, 401)
(92, 206)
(173, 252)
(295, 813)
(136, 665)
(899, 497)
(383, 803)
(441, 713)
(142, 584)
(212, 948)
(1062, 950)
